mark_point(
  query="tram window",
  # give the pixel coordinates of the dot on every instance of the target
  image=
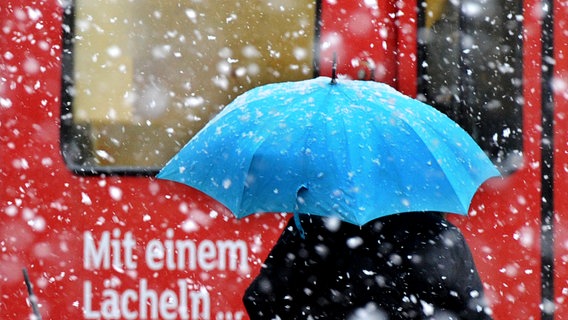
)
(142, 77)
(472, 71)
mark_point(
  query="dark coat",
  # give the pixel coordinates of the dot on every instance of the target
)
(405, 266)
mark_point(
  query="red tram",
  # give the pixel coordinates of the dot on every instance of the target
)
(95, 96)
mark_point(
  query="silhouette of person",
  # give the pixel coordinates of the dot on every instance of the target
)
(404, 266)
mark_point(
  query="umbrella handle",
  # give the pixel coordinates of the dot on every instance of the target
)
(299, 225)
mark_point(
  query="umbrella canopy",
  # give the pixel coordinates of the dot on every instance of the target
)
(357, 150)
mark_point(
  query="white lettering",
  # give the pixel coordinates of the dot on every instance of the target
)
(168, 304)
(200, 298)
(99, 257)
(183, 247)
(128, 296)
(183, 310)
(115, 244)
(206, 254)
(128, 245)
(170, 253)
(187, 254)
(87, 302)
(148, 298)
(116, 250)
(94, 257)
(231, 249)
(110, 308)
(239, 315)
(155, 254)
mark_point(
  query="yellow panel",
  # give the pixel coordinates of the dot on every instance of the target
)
(103, 61)
(149, 74)
(434, 10)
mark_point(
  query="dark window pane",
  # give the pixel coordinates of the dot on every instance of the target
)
(472, 70)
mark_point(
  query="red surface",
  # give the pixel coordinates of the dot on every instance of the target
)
(46, 212)
(364, 38)
(560, 89)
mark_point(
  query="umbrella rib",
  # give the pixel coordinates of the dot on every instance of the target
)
(272, 126)
(401, 185)
(433, 131)
(410, 127)
(346, 162)
(248, 98)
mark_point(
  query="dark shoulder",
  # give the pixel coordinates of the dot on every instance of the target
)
(416, 222)
(419, 228)
(418, 231)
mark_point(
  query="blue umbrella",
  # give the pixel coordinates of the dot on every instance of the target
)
(356, 150)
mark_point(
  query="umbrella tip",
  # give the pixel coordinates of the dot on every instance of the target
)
(334, 69)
